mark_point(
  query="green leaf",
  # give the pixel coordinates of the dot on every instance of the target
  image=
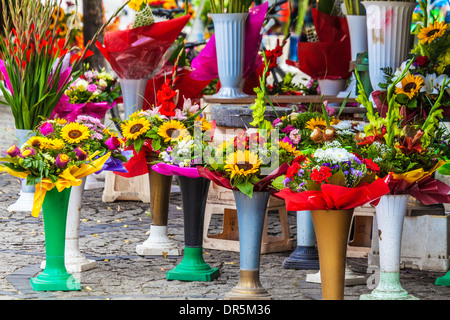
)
(277, 183)
(246, 187)
(338, 179)
(312, 185)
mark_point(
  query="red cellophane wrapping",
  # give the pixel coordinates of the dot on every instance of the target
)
(137, 53)
(330, 57)
(332, 197)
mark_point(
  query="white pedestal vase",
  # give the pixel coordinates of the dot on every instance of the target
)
(158, 244)
(26, 196)
(74, 260)
(229, 30)
(133, 91)
(388, 33)
(390, 213)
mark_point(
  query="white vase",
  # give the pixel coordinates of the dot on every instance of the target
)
(388, 34)
(229, 30)
(390, 214)
(133, 91)
(26, 197)
(357, 26)
(331, 87)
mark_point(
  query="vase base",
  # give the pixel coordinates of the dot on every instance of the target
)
(23, 204)
(303, 258)
(63, 282)
(77, 264)
(193, 273)
(350, 278)
(229, 93)
(444, 280)
(158, 249)
(248, 287)
(388, 296)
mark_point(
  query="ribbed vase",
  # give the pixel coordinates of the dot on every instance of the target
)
(388, 34)
(229, 30)
(133, 91)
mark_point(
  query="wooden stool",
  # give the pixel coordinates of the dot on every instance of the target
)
(221, 201)
(121, 188)
(361, 242)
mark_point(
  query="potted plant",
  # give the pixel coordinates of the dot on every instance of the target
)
(55, 159)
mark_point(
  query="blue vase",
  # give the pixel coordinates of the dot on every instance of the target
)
(229, 30)
(251, 213)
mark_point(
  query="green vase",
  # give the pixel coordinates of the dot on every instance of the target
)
(55, 276)
(444, 280)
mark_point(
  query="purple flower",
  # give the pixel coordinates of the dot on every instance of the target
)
(46, 128)
(286, 181)
(112, 143)
(91, 88)
(80, 154)
(28, 152)
(13, 151)
(62, 160)
(276, 121)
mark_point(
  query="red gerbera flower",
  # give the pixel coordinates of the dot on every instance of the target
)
(321, 175)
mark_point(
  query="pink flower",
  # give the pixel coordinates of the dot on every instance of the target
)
(62, 160)
(91, 88)
(295, 136)
(27, 152)
(46, 128)
(113, 143)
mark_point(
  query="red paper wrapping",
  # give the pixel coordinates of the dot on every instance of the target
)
(262, 185)
(427, 190)
(137, 53)
(332, 197)
(137, 164)
(330, 57)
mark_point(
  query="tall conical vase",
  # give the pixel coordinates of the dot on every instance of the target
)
(55, 276)
(194, 192)
(357, 26)
(133, 91)
(251, 213)
(158, 243)
(332, 229)
(390, 214)
(388, 34)
(305, 255)
(26, 197)
(229, 30)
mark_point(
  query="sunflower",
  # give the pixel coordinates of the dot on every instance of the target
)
(432, 32)
(242, 163)
(54, 144)
(135, 127)
(206, 125)
(316, 123)
(410, 85)
(173, 130)
(36, 142)
(289, 148)
(60, 121)
(75, 132)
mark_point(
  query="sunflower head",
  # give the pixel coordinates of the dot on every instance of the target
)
(242, 163)
(289, 148)
(135, 127)
(316, 123)
(75, 132)
(173, 130)
(36, 142)
(410, 85)
(432, 32)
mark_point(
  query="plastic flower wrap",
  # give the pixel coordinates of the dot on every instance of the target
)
(59, 155)
(331, 178)
(137, 53)
(92, 94)
(408, 150)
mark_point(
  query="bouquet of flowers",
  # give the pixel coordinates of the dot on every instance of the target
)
(407, 150)
(60, 154)
(93, 93)
(38, 65)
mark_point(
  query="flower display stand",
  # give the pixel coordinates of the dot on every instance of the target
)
(158, 243)
(390, 213)
(305, 255)
(193, 267)
(55, 276)
(220, 201)
(251, 216)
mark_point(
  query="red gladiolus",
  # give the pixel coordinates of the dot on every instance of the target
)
(165, 98)
(371, 165)
(292, 170)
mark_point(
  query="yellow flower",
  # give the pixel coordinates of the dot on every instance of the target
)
(173, 130)
(410, 85)
(110, 133)
(135, 4)
(60, 121)
(54, 144)
(242, 163)
(75, 132)
(206, 125)
(289, 148)
(316, 123)
(135, 127)
(36, 142)
(432, 32)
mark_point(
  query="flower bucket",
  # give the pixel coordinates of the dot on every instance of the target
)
(133, 91)
(332, 230)
(55, 276)
(26, 197)
(388, 33)
(194, 192)
(357, 26)
(251, 213)
(390, 214)
(158, 243)
(230, 36)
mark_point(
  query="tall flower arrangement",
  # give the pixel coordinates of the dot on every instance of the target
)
(38, 64)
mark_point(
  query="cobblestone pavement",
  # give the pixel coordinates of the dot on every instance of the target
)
(109, 233)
